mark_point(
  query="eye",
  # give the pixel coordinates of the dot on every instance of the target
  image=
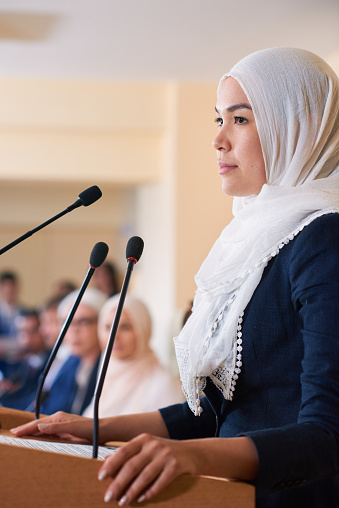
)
(240, 120)
(125, 327)
(218, 121)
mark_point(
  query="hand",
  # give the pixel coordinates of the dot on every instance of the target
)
(7, 386)
(73, 428)
(144, 466)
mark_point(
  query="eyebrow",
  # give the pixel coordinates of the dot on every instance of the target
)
(235, 107)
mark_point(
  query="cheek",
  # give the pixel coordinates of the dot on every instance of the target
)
(256, 160)
(130, 343)
(258, 149)
(92, 339)
(68, 338)
(103, 342)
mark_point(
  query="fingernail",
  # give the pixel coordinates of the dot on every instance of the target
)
(141, 499)
(123, 501)
(102, 474)
(108, 496)
(42, 426)
(13, 430)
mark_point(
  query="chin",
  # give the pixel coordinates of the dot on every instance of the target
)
(118, 355)
(228, 186)
(238, 193)
(228, 191)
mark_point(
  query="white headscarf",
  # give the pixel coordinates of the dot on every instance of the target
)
(295, 100)
(138, 383)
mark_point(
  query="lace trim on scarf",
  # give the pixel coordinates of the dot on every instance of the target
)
(224, 377)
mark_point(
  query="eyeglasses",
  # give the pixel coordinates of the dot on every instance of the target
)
(83, 322)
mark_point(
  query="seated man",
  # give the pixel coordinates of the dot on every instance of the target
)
(20, 378)
(9, 306)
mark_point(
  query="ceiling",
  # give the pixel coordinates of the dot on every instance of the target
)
(155, 40)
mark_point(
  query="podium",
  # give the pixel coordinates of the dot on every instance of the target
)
(43, 479)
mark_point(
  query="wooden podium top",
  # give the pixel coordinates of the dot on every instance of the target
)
(45, 479)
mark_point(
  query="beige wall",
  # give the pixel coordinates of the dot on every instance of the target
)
(202, 209)
(61, 250)
(149, 149)
(75, 131)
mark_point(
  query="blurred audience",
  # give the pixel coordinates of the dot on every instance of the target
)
(74, 384)
(63, 288)
(9, 305)
(20, 378)
(106, 279)
(50, 328)
(135, 380)
(49, 321)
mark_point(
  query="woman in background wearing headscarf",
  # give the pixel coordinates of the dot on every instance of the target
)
(135, 381)
(262, 341)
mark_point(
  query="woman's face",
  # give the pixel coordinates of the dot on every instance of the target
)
(125, 343)
(82, 335)
(240, 159)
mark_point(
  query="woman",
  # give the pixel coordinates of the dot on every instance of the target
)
(135, 381)
(262, 341)
(73, 385)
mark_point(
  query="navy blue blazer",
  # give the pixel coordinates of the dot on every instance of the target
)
(287, 395)
(64, 388)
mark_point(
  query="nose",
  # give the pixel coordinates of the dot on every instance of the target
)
(221, 141)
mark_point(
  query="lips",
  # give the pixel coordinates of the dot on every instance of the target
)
(225, 167)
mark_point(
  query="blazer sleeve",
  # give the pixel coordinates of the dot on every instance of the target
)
(182, 424)
(308, 450)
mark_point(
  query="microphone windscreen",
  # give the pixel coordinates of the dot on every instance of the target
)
(90, 195)
(98, 254)
(135, 246)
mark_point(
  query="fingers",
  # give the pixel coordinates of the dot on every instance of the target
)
(149, 482)
(159, 483)
(62, 425)
(73, 431)
(140, 469)
(29, 429)
(115, 462)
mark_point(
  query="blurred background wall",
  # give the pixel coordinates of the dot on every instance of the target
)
(121, 95)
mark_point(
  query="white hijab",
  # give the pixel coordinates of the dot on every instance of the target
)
(295, 100)
(138, 383)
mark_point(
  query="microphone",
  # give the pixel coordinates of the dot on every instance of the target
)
(134, 250)
(98, 256)
(86, 198)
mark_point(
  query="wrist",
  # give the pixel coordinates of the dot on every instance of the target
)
(232, 458)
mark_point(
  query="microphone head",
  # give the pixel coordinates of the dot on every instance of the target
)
(98, 254)
(135, 246)
(90, 195)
